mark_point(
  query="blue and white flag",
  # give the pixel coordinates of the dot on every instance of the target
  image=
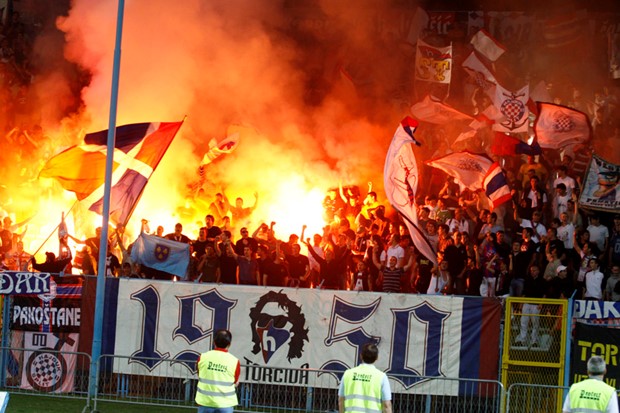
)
(161, 254)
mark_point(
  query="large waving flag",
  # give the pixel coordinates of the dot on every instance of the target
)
(504, 144)
(558, 126)
(161, 254)
(565, 30)
(487, 45)
(513, 108)
(475, 172)
(433, 64)
(479, 72)
(417, 24)
(138, 150)
(400, 179)
(433, 111)
(225, 146)
(496, 186)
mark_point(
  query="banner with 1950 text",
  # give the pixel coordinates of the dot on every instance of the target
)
(275, 329)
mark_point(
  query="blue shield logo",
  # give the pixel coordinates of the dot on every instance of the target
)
(161, 252)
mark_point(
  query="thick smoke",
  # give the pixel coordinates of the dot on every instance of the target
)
(276, 67)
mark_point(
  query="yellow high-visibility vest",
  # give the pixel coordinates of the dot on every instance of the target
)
(590, 395)
(362, 389)
(216, 379)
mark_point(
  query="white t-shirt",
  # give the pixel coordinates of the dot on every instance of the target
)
(560, 204)
(594, 288)
(532, 197)
(393, 251)
(565, 234)
(438, 281)
(460, 226)
(598, 234)
(539, 229)
(568, 181)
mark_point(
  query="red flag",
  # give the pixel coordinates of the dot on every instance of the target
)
(504, 144)
(496, 185)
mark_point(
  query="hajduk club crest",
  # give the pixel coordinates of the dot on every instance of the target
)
(513, 110)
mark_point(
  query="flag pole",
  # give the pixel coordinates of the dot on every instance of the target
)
(103, 249)
(54, 230)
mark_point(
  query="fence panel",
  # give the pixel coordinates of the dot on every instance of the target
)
(534, 341)
(46, 372)
(534, 398)
(169, 389)
(314, 391)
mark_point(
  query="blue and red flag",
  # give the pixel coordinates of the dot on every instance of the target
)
(496, 185)
(509, 145)
(138, 149)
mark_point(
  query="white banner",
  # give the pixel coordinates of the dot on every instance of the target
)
(601, 189)
(44, 369)
(418, 335)
(433, 64)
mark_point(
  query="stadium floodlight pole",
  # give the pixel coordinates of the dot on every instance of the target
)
(103, 242)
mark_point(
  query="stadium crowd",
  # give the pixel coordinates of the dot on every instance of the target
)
(540, 244)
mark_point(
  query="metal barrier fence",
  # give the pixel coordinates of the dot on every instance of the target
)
(535, 332)
(530, 398)
(46, 372)
(170, 388)
(534, 398)
(308, 390)
(66, 374)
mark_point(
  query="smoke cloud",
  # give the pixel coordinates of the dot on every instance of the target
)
(259, 64)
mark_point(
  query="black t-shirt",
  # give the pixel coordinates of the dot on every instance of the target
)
(297, 265)
(456, 257)
(209, 269)
(228, 269)
(246, 242)
(276, 273)
(213, 232)
(424, 273)
(200, 247)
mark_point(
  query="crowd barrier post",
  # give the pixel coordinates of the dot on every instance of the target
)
(6, 323)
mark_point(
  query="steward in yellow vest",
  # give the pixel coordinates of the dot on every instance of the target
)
(218, 374)
(365, 388)
(593, 394)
